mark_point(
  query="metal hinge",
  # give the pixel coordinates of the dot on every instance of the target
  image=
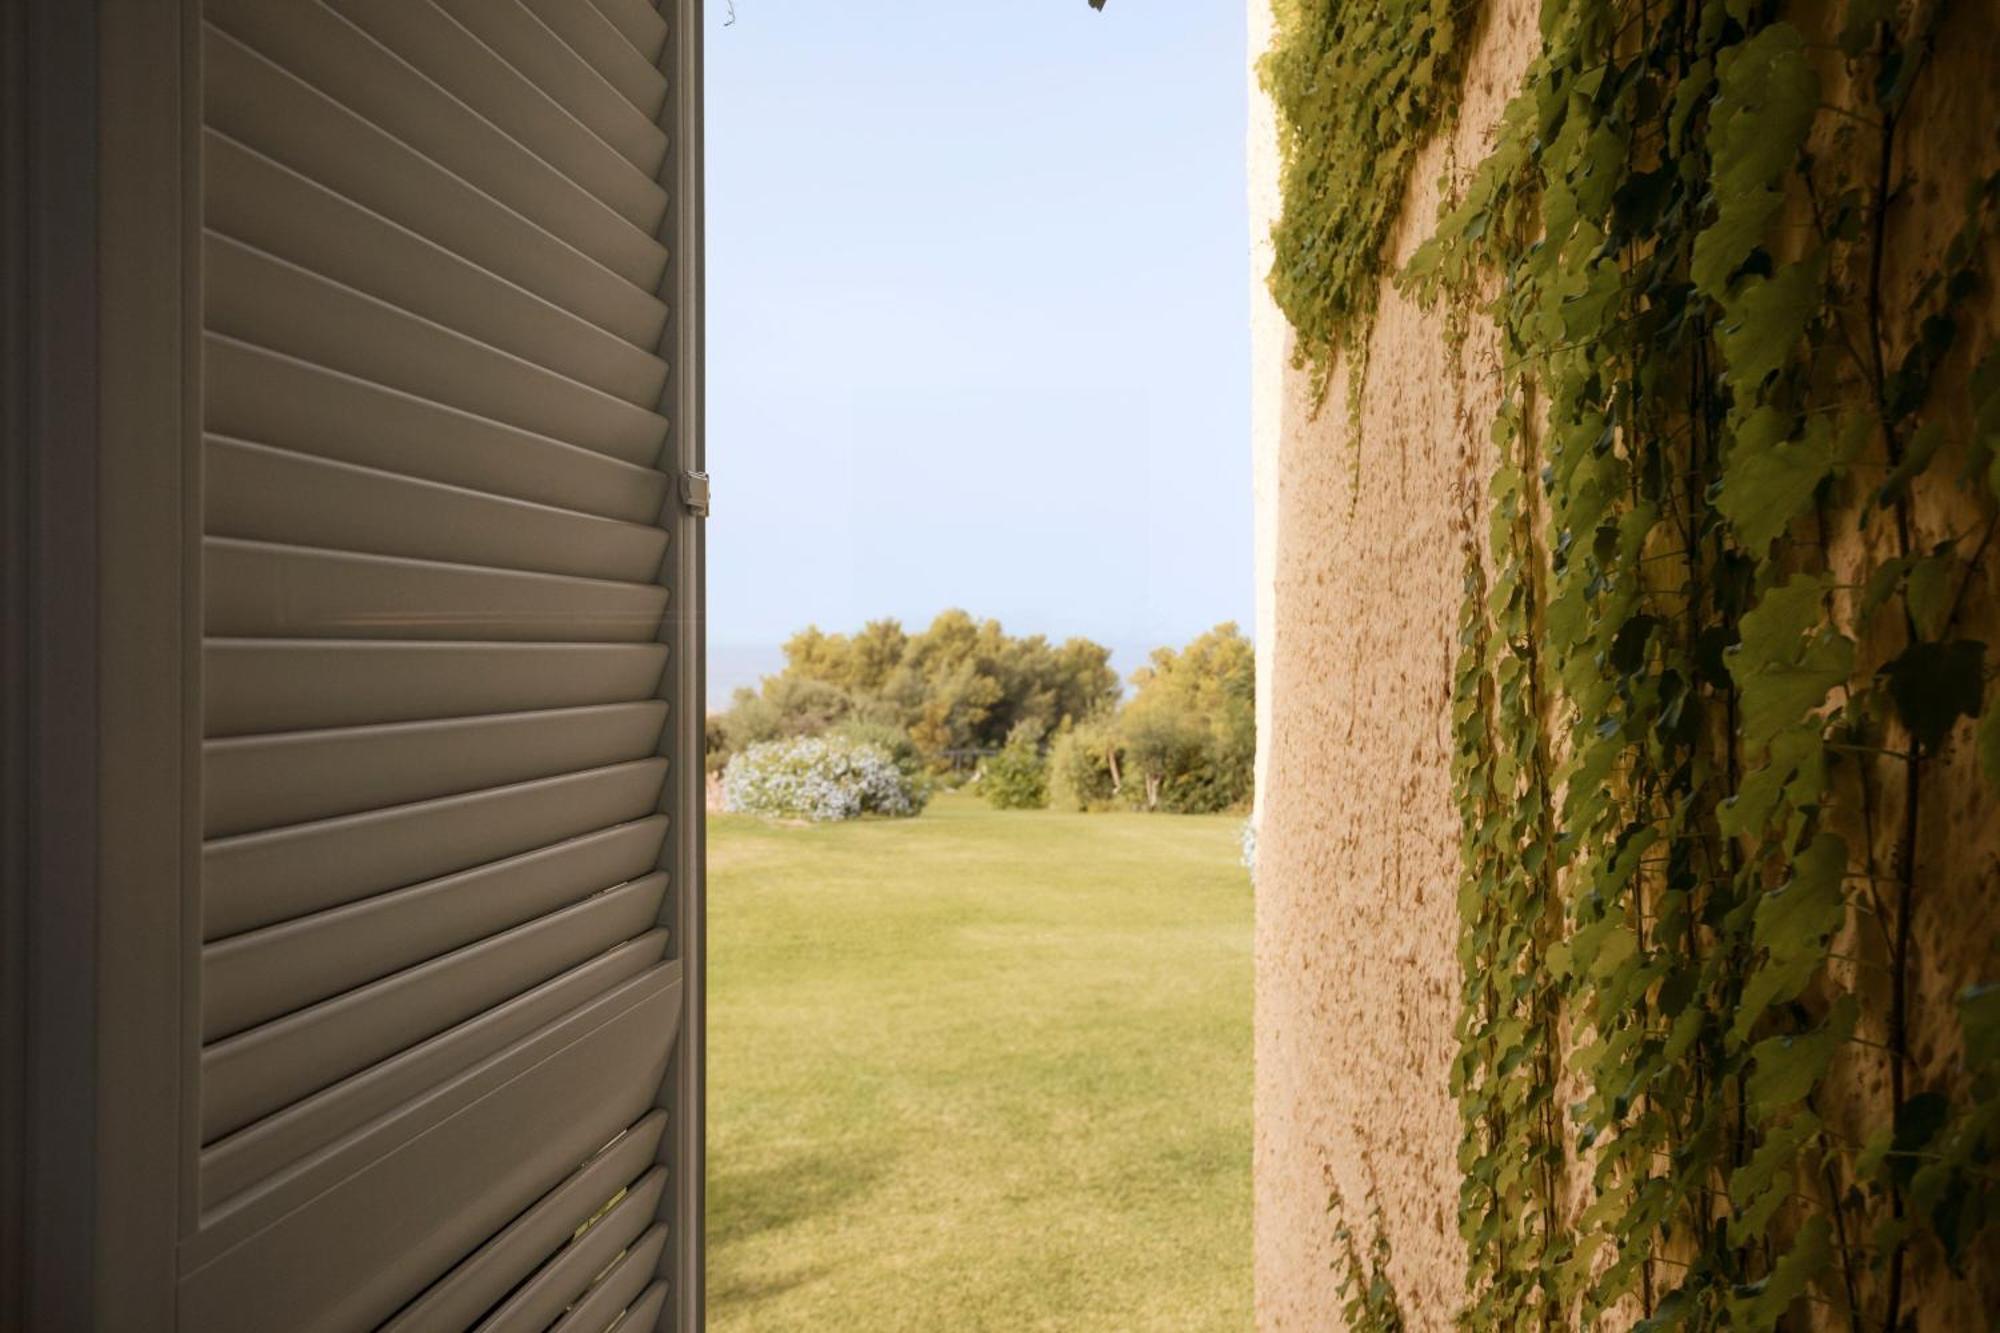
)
(694, 493)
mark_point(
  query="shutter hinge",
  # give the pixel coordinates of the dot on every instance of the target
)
(694, 493)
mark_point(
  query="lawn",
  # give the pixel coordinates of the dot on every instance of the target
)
(979, 1070)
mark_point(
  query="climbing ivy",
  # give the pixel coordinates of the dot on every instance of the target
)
(1713, 662)
(1368, 1298)
(1358, 85)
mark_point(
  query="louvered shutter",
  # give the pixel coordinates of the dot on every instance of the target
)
(443, 957)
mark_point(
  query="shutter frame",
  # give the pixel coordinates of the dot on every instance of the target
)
(448, 348)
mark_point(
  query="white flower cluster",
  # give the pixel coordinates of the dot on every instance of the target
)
(1249, 859)
(819, 779)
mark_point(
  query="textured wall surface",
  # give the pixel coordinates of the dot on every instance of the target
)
(1357, 976)
(1360, 543)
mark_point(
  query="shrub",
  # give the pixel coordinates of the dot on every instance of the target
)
(885, 736)
(819, 778)
(1016, 778)
(1083, 767)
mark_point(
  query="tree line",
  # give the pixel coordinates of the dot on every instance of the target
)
(1028, 722)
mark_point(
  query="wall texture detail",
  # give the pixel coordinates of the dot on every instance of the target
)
(1364, 519)
(1357, 978)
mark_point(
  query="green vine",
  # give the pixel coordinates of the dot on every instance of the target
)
(1359, 85)
(1713, 663)
(1368, 1298)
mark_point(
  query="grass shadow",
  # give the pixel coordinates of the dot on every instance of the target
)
(746, 1202)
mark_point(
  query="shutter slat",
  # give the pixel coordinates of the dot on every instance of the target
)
(527, 44)
(376, 1235)
(354, 69)
(640, 23)
(644, 1314)
(270, 303)
(262, 974)
(259, 1153)
(259, 879)
(264, 685)
(588, 33)
(264, 396)
(269, 207)
(268, 109)
(497, 1267)
(436, 1007)
(542, 1298)
(259, 1071)
(258, 493)
(594, 1312)
(263, 782)
(262, 590)
(450, 56)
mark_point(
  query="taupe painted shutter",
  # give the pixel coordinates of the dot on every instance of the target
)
(444, 939)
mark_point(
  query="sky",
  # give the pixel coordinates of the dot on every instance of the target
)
(978, 312)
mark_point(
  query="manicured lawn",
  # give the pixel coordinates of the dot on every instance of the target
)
(979, 1070)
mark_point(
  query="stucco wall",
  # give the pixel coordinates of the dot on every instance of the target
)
(1359, 550)
(1359, 544)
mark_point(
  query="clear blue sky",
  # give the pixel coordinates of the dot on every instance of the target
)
(978, 320)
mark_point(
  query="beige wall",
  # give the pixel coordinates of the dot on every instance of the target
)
(1358, 598)
(1358, 559)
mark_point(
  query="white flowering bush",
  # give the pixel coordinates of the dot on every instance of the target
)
(819, 778)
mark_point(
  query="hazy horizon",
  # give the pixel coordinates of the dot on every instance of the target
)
(978, 322)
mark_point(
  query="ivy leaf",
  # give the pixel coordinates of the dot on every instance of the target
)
(1795, 770)
(1759, 1185)
(1767, 95)
(1768, 316)
(1873, 1153)
(1882, 584)
(1769, 481)
(1935, 684)
(1929, 591)
(1918, 1121)
(1790, 1067)
(1917, 455)
(1787, 661)
(1628, 647)
(1792, 925)
(1763, 1304)
(1672, 1310)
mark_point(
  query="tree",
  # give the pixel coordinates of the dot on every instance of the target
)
(1190, 728)
(961, 684)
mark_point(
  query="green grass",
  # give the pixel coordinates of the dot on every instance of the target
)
(979, 1070)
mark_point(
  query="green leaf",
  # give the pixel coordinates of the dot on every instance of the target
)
(1873, 1153)
(1793, 924)
(1787, 661)
(1918, 1121)
(1935, 684)
(1769, 481)
(1767, 318)
(1790, 1067)
(1763, 1304)
(1917, 455)
(1929, 592)
(1764, 106)
(1760, 1185)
